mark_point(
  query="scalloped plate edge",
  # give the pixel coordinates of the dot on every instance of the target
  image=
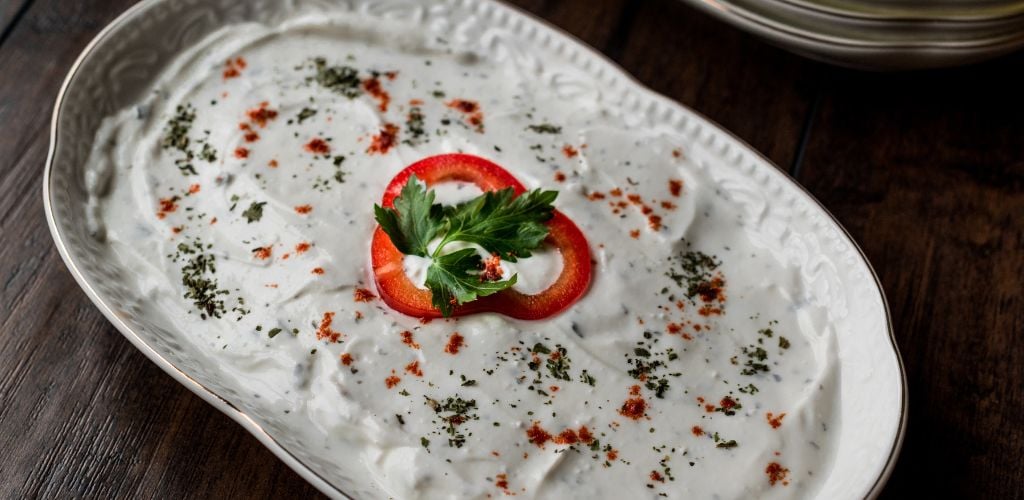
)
(252, 426)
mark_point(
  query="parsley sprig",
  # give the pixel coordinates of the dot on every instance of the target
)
(509, 226)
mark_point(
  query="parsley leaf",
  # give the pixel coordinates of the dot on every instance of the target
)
(453, 278)
(414, 221)
(510, 227)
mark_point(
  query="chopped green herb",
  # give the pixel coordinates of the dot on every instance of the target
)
(255, 212)
(208, 154)
(545, 128)
(197, 278)
(185, 167)
(694, 273)
(453, 412)
(304, 114)
(659, 387)
(341, 79)
(414, 127)
(178, 127)
(558, 364)
(587, 378)
(755, 360)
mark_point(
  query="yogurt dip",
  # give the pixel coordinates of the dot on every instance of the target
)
(239, 194)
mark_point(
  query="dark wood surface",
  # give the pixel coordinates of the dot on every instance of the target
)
(926, 171)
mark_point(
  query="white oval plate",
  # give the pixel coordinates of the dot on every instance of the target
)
(119, 64)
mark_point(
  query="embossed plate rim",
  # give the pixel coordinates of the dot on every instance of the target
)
(211, 397)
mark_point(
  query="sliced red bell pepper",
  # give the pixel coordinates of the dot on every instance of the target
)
(453, 168)
(400, 293)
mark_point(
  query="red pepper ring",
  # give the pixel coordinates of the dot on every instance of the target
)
(401, 294)
(453, 167)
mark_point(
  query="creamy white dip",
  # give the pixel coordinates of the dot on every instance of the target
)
(693, 362)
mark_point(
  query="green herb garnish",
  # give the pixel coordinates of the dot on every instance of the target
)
(341, 79)
(414, 127)
(208, 153)
(587, 378)
(414, 221)
(558, 365)
(255, 212)
(755, 363)
(694, 272)
(304, 114)
(453, 412)
(178, 127)
(545, 128)
(454, 278)
(197, 276)
(503, 224)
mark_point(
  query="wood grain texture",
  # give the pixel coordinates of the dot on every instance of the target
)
(758, 92)
(926, 171)
(10, 12)
(82, 413)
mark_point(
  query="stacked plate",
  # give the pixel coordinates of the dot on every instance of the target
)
(881, 34)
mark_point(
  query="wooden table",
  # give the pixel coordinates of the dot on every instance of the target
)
(926, 171)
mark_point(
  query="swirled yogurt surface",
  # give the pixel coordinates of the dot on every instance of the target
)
(239, 196)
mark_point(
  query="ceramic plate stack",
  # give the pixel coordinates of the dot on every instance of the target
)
(881, 34)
